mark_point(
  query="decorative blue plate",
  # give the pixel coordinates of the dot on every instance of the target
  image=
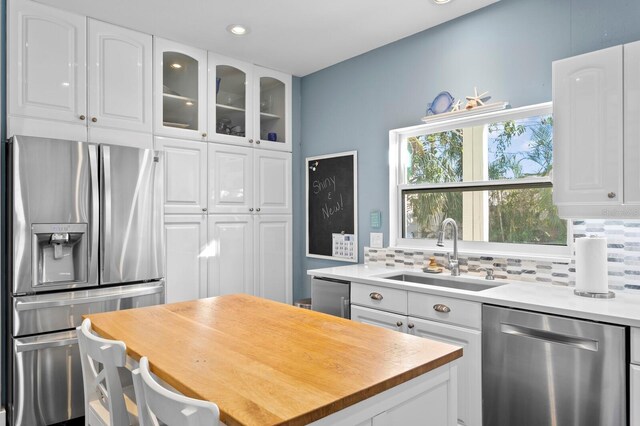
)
(441, 103)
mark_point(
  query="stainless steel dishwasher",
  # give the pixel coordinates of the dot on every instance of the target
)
(331, 296)
(540, 370)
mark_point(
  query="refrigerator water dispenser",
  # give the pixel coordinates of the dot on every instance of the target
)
(60, 253)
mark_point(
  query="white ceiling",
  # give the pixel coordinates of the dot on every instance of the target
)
(294, 36)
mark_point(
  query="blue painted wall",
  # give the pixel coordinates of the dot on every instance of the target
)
(506, 48)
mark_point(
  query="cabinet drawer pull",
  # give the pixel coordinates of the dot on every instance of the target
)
(399, 323)
(611, 195)
(376, 296)
(410, 325)
(441, 308)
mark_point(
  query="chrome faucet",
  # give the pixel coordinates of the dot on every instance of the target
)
(454, 265)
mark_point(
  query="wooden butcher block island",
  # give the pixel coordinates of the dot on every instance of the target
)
(267, 363)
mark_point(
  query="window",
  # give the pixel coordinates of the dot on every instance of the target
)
(491, 173)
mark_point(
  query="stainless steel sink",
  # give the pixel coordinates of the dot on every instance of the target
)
(469, 284)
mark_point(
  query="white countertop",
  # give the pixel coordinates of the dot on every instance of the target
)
(624, 309)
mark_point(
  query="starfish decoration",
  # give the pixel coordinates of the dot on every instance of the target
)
(456, 106)
(477, 100)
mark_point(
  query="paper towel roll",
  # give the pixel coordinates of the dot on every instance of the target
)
(591, 265)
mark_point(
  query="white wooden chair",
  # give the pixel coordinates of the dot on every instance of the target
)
(106, 403)
(159, 405)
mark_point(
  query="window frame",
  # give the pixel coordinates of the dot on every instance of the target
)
(396, 187)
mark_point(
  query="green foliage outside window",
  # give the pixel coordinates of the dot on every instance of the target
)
(517, 149)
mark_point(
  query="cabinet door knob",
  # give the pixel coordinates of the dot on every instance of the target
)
(611, 195)
(251, 209)
(399, 323)
(94, 120)
(410, 325)
(250, 140)
(258, 209)
(258, 142)
(441, 308)
(376, 296)
(82, 117)
(204, 135)
(204, 209)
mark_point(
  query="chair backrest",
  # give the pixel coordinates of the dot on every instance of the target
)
(100, 361)
(156, 403)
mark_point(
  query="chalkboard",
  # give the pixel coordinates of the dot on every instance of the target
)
(332, 211)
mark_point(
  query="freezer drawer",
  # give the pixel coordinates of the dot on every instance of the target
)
(47, 379)
(330, 297)
(543, 370)
(60, 311)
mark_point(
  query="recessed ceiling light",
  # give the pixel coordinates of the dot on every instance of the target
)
(188, 103)
(441, 1)
(237, 29)
(176, 66)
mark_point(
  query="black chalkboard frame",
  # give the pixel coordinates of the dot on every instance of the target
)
(309, 162)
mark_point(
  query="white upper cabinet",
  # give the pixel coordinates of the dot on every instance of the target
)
(230, 91)
(248, 104)
(272, 182)
(272, 257)
(185, 175)
(119, 72)
(632, 123)
(272, 109)
(180, 78)
(588, 133)
(47, 71)
(230, 179)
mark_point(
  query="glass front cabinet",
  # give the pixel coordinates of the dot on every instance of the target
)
(272, 122)
(248, 105)
(230, 100)
(180, 88)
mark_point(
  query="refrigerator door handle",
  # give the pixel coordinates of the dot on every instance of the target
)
(21, 305)
(95, 213)
(106, 212)
(548, 336)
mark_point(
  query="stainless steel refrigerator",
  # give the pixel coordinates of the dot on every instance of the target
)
(86, 237)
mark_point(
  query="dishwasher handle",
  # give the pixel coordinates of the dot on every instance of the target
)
(549, 336)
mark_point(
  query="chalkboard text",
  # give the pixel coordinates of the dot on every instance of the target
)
(327, 211)
(319, 186)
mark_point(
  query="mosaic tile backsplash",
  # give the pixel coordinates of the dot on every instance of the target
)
(623, 255)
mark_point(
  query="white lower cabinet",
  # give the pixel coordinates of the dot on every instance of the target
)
(230, 255)
(186, 242)
(469, 366)
(459, 325)
(382, 319)
(250, 254)
(634, 398)
(273, 256)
